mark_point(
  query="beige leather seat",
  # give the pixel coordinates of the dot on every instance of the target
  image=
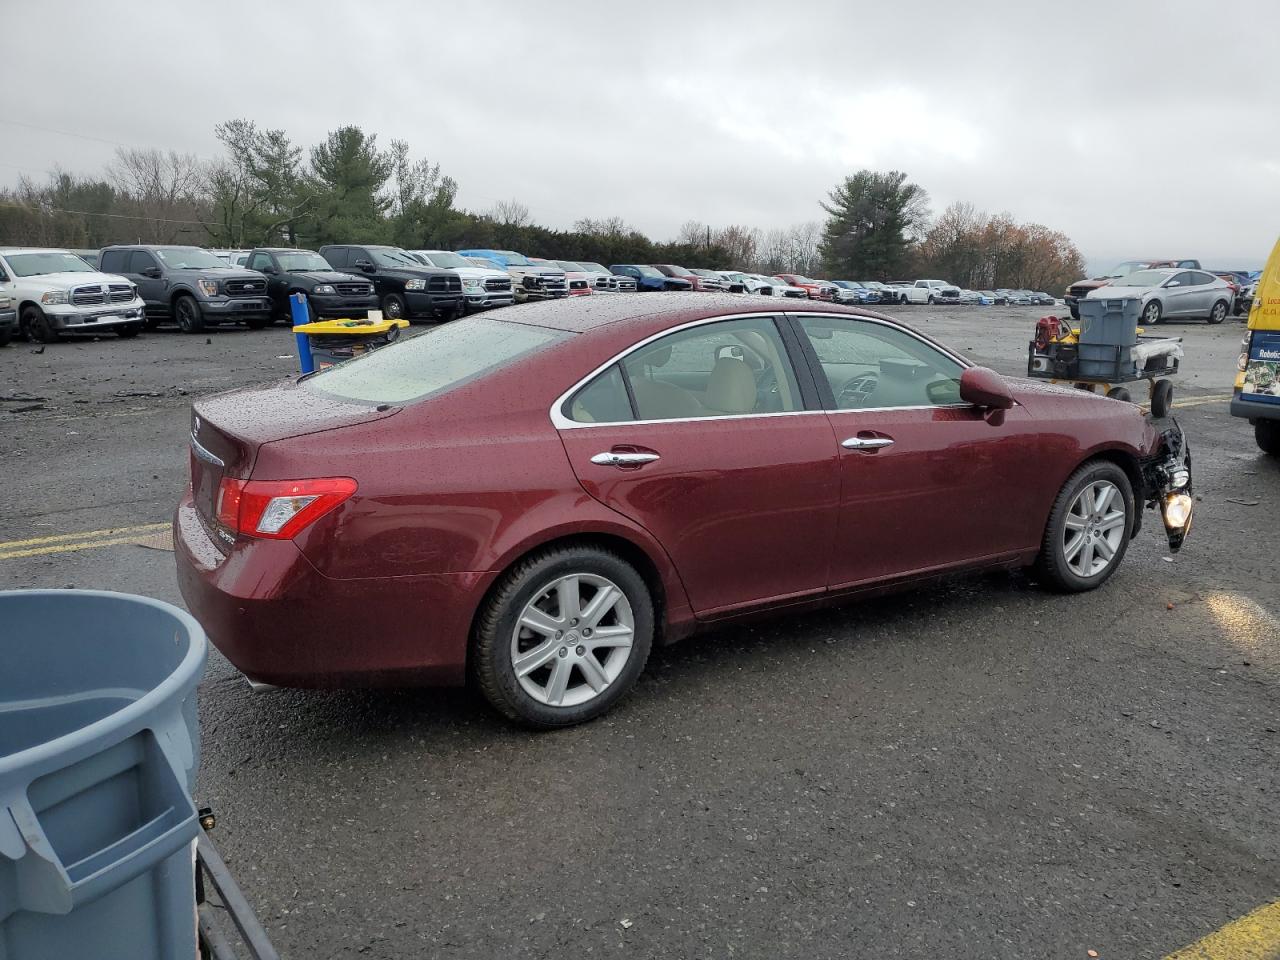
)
(731, 388)
(659, 400)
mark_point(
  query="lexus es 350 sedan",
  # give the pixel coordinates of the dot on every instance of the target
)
(535, 499)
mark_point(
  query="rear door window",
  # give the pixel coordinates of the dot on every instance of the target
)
(603, 400)
(114, 261)
(336, 257)
(433, 363)
(139, 260)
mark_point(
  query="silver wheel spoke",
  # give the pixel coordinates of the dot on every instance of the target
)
(593, 672)
(1075, 522)
(1086, 500)
(1103, 499)
(1086, 558)
(1073, 548)
(1103, 548)
(530, 661)
(559, 681)
(1111, 521)
(568, 591)
(600, 605)
(539, 621)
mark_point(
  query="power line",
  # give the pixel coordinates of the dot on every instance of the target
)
(64, 133)
(113, 216)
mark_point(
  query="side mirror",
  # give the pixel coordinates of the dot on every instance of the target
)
(1174, 283)
(365, 265)
(152, 272)
(268, 271)
(984, 388)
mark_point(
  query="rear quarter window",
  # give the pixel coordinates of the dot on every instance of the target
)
(433, 363)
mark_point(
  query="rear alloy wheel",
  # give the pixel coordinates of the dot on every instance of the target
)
(1088, 529)
(1219, 312)
(1267, 435)
(187, 312)
(1152, 313)
(563, 637)
(393, 307)
(37, 326)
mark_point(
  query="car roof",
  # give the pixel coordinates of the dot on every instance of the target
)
(584, 314)
(277, 250)
(34, 250)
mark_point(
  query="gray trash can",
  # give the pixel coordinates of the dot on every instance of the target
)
(1108, 331)
(99, 746)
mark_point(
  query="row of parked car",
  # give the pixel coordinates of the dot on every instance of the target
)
(1171, 288)
(127, 288)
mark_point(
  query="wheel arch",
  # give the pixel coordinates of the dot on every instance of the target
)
(1128, 461)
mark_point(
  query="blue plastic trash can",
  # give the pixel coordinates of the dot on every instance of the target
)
(99, 745)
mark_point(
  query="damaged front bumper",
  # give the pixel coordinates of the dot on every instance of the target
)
(1166, 478)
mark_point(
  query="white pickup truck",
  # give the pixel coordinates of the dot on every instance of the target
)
(938, 291)
(54, 291)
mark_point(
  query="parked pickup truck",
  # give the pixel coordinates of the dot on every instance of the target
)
(190, 286)
(482, 286)
(8, 320)
(329, 293)
(407, 288)
(938, 291)
(532, 281)
(56, 292)
(649, 278)
(908, 292)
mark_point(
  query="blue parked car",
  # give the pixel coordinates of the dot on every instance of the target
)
(864, 294)
(649, 278)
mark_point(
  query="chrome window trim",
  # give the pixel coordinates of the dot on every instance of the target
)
(561, 422)
(204, 453)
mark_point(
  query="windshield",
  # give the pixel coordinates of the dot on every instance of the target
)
(1126, 268)
(592, 267)
(34, 264)
(1140, 278)
(799, 279)
(428, 365)
(516, 259)
(648, 271)
(395, 258)
(190, 258)
(569, 265)
(443, 258)
(301, 261)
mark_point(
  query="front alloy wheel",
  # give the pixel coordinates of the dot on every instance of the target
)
(1094, 528)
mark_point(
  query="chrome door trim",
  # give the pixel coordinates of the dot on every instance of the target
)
(204, 453)
(611, 459)
(561, 422)
(870, 443)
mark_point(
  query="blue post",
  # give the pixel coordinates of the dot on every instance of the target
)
(298, 305)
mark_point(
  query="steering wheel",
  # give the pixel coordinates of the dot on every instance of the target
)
(858, 391)
(768, 400)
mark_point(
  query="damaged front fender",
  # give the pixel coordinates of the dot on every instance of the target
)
(1166, 478)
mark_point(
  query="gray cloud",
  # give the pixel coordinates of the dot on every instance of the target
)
(1136, 128)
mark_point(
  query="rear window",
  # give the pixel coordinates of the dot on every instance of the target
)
(430, 364)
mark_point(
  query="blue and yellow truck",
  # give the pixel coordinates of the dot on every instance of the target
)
(1257, 391)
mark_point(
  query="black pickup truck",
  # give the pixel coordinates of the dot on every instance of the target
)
(407, 288)
(328, 292)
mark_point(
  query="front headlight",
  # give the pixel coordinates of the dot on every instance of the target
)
(418, 284)
(55, 296)
(473, 284)
(324, 288)
(208, 287)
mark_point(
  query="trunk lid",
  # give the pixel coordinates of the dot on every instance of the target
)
(228, 429)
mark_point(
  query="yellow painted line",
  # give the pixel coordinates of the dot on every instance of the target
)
(68, 547)
(1196, 401)
(6, 545)
(1255, 936)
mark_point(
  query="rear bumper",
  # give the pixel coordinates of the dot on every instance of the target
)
(281, 622)
(8, 321)
(1252, 410)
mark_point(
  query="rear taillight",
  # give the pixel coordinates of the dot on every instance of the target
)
(278, 509)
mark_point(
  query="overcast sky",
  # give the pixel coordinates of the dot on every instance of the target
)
(1138, 128)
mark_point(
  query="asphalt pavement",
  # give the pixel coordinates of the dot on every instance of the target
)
(978, 768)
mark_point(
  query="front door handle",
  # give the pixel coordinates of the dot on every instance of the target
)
(866, 443)
(611, 458)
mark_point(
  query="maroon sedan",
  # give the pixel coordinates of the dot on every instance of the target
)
(536, 498)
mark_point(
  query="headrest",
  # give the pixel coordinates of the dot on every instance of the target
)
(732, 387)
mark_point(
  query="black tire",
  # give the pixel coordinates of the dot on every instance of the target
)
(5, 336)
(1051, 565)
(1161, 398)
(1119, 393)
(37, 326)
(1152, 313)
(1266, 433)
(151, 323)
(1075, 312)
(491, 658)
(1219, 312)
(128, 333)
(187, 313)
(393, 307)
(932, 301)
(257, 323)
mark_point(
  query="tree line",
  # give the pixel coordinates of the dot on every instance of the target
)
(267, 190)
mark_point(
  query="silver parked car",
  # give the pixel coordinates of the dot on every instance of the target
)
(1171, 292)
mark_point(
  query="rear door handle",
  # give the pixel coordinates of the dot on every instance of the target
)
(611, 459)
(866, 443)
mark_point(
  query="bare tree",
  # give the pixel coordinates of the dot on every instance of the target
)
(166, 189)
(511, 213)
(609, 227)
